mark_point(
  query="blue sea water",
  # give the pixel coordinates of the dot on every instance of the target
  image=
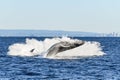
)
(106, 67)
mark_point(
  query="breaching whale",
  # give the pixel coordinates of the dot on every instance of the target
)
(63, 46)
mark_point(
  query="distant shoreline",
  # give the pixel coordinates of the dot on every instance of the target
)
(52, 33)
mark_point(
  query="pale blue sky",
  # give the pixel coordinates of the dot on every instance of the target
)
(72, 15)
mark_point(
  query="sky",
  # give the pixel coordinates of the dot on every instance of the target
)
(102, 16)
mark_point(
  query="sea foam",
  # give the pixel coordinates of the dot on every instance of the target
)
(40, 48)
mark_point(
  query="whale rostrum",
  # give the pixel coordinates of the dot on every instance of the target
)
(63, 46)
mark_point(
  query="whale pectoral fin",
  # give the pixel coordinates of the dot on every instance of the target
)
(52, 51)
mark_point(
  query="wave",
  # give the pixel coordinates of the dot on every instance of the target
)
(33, 47)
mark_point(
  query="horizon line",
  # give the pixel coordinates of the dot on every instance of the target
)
(60, 30)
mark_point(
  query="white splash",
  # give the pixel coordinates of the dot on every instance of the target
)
(40, 48)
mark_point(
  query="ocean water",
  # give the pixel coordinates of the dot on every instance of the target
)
(104, 67)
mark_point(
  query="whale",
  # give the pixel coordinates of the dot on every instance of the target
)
(63, 46)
